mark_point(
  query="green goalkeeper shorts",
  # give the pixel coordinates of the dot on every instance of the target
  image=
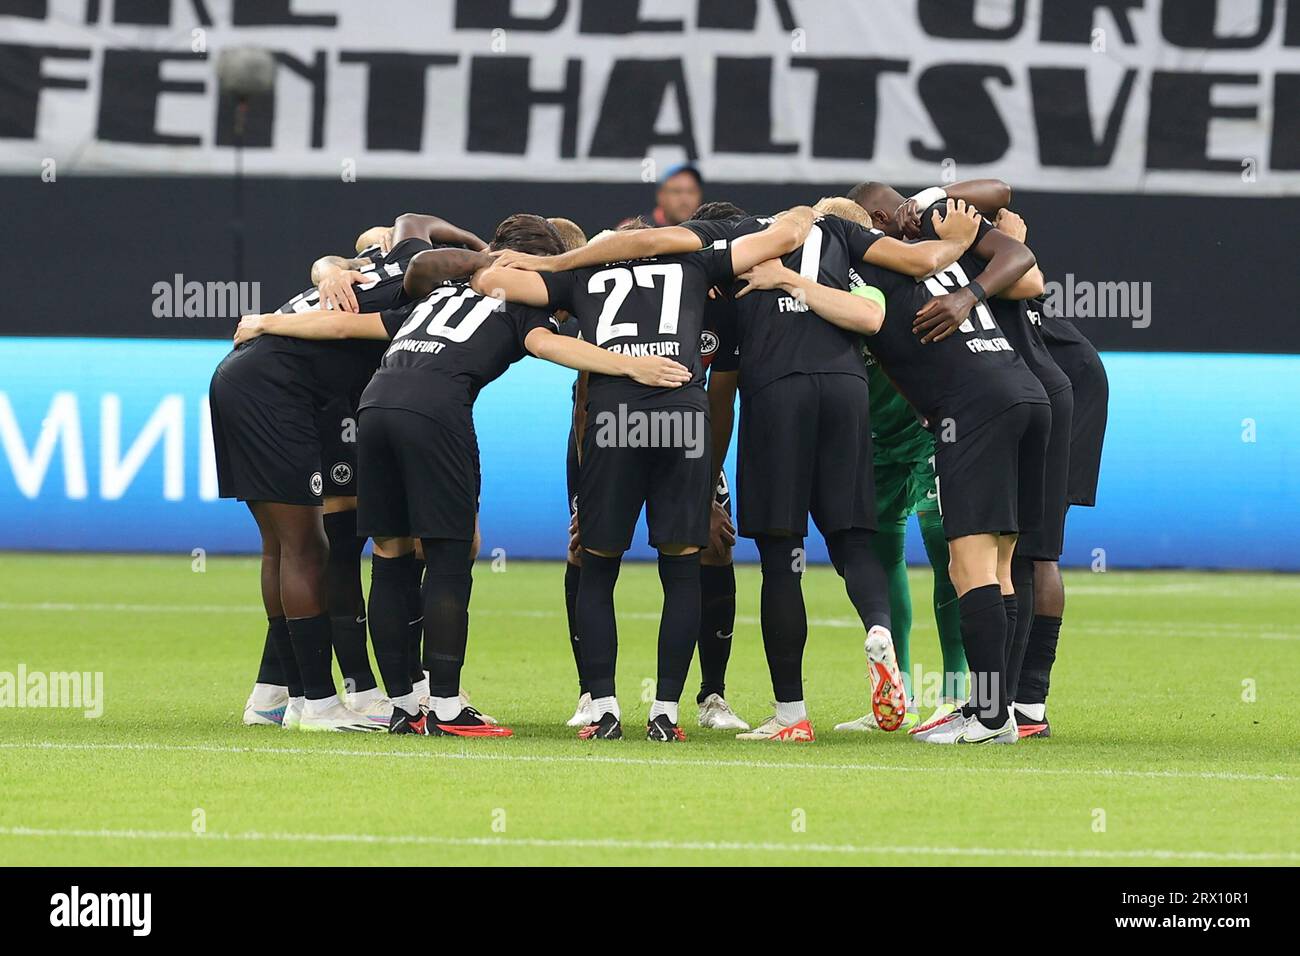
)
(904, 488)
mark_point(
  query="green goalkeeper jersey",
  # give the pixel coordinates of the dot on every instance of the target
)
(896, 433)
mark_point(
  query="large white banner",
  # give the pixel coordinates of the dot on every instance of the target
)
(1199, 96)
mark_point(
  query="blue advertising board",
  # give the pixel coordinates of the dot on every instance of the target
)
(105, 446)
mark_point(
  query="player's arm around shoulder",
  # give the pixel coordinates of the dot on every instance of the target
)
(783, 235)
(612, 247)
(651, 370)
(429, 269)
(856, 313)
(956, 230)
(321, 325)
(411, 225)
(513, 285)
(1031, 284)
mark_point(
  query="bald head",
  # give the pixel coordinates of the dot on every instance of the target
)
(880, 201)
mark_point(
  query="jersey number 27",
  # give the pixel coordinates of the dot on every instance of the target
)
(644, 276)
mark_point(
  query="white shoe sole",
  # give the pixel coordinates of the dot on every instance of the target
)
(853, 726)
(363, 728)
(254, 719)
(724, 723)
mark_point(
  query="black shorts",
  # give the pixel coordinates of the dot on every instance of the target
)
(1045, 542)
(337, 425)
(417, 477)
(991, 481)
(721, 494)
(674, 485)
(265, 450)
(805, 448)
(1081, 363)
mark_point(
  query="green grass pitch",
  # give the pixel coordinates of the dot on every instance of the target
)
(1173, 707)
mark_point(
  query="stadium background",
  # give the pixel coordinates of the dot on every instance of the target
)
(118, 162)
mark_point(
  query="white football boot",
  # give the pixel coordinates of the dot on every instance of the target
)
(336, 717)
(716, 714)
(942, 714)
(867, 722)
(772, 729)
(888, 699)
(293, 713)
(266, 705)
(968, 730)
(584, 714)
(372, 705)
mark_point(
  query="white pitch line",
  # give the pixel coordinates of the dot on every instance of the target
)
(1103, 772)
(611, 843)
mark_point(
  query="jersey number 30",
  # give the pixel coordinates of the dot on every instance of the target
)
(451, 300)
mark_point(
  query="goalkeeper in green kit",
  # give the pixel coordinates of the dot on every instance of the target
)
(904, 469)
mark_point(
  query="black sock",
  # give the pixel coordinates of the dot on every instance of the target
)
(390, 615)
(346, 605)
(1022, 576)
(572, 575)
(271, 670)
(311, 649)
(679, 622)
(349, 636)
(279, 635)
(1011, 609)
(415, 619)
(446, 615)
(1040, 655)
(984, 634)
(717, 624)
(856, 561)
(596, 622)
(784, 620)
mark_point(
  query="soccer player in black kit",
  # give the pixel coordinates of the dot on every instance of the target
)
(1039, 587)
(717, 570)
(991, 418)
(418, 456)
(642, 447)
(805, 443)
(283, 414)
(1021, 324)
(804, 447)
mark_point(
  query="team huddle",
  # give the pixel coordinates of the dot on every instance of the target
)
(891, 358)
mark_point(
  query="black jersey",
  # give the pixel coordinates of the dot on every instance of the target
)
(1020, 321)
(775, 334)
(326, 369)
(968, 377)
(719, 342)
(446, 348)
(1073, 351)
(644, 307)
